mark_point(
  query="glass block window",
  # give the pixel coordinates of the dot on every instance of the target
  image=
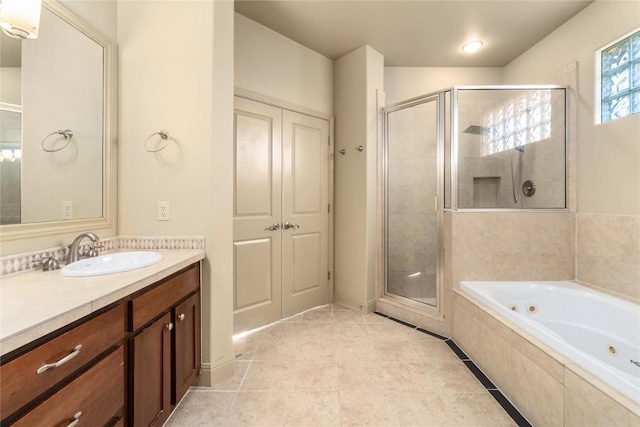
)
(620, 83)
(519, 121)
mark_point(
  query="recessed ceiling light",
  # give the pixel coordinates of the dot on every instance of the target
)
(472, 46)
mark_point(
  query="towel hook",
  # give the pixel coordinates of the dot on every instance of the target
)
(66, 133)
(164, 135)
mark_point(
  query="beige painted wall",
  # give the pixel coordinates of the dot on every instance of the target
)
(181, 82)
(402, 83)
(270, 64)
(11, 85)
(608, 154)
(357, 76)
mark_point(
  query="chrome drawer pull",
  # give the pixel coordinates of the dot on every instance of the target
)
(181, 317)
(76, 420)
(74, 353)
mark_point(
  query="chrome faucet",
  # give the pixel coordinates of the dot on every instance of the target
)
(74, 247)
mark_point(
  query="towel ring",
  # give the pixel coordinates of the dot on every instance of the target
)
(164, 135)
(66, 133)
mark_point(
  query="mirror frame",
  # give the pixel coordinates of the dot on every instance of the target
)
(109, 136)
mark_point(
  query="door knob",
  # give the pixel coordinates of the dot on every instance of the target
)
(273, 227)
(288, 225)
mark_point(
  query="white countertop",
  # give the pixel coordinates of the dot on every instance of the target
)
(35, 303)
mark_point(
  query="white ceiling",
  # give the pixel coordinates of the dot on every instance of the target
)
(418, 33)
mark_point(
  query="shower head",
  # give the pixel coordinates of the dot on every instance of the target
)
(476, 130)
(519, 148)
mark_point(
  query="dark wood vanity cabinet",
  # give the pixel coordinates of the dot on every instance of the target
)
(165, 346)
(126, 365)
(76, 373)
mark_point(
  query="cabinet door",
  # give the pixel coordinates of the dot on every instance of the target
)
(187, 345)
(152, 373)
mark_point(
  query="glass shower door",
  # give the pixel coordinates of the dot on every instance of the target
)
(412, 236)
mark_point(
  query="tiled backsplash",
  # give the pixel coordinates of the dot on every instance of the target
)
(32, 260)
(608, 254)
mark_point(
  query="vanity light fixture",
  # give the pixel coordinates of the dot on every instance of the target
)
(472, 46)
(20, 19)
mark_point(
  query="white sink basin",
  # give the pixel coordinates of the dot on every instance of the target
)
(116, 262)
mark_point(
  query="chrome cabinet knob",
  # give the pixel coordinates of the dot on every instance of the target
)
(181, 317)
(169, 326)
(288, 225)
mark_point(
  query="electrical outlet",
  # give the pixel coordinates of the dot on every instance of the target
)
(67, 210)
(164, 213)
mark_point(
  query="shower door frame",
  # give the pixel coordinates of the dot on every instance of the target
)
(439, 98)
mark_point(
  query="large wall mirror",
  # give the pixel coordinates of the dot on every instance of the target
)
(57, 118)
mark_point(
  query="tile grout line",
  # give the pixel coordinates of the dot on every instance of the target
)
(498, 396)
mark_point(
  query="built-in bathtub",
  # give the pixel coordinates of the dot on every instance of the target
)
(576, 325)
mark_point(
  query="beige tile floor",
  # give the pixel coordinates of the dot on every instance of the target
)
(335, 367)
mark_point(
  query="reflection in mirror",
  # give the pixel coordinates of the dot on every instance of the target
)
(56, 82)
(10, 162)
(511, 148)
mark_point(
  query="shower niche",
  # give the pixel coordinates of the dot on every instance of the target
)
(465, 148)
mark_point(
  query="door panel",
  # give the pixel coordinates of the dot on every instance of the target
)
(253, 285)
(307, 255)
(305, 200)
(257, 206)
(253, 165)
(307, 147)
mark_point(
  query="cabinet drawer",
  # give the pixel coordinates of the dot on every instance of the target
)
(161, 298)
(97, 395)
(19, 381)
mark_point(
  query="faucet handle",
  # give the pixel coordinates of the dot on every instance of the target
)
(50, 263)
(93, 250)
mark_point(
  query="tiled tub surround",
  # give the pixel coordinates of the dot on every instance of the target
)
(33, 260)
(546, 387)
(35, 303)
(506, 246)
(608, 253)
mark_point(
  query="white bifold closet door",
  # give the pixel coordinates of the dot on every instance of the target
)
(281, 220)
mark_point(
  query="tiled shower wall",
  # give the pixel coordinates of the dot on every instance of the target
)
(608, 254)
(484, 181)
